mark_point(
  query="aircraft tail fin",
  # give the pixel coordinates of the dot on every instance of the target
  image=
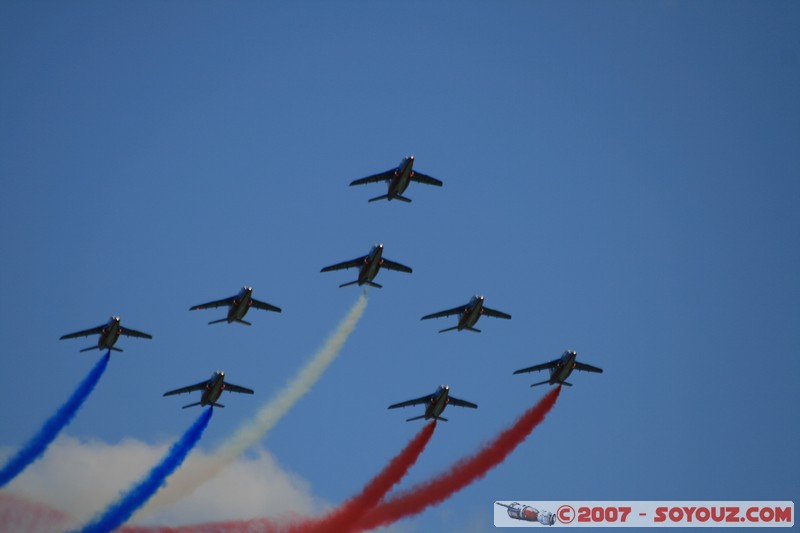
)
(373, 284)
(384, 197)
(348, 283)
(541, 383)
(402, 198)
(217, 405)
(192, 404)
(245, 322)
(443, 419)
(90, 348)
(476, 330)
(115, 349)
(448, 329)
(218, 321)
(567, 384)
(415, 418)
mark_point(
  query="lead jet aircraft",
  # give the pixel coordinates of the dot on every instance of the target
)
(109, 333)
(435, 404)
(398, 179)
(469, 314)
(212, 389)
(369, 264)
(238, 306)
(560, 369)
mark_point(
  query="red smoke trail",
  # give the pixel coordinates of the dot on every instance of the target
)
(340, 518)
(357, 507)
(20, 514)
(464, 472)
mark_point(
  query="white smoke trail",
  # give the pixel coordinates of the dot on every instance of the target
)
(191, 476)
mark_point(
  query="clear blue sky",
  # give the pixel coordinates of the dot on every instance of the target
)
(621, 177)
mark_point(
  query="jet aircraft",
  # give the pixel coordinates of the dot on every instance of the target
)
(469, 314)
(212, 389)
(398, 179)
(369, 264)
(109, 333)
(238, 306)
(435, 404)
(560, 369)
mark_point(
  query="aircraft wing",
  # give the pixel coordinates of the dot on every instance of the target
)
(536, 368)
(199, 386)
(391, 265)
(422, 178)
(496, 314)
(84, 333)
(133, 333)
(346, 264)
(264, 305)
(461, 403)
(587, 368)
(236, 388)
(215, 303)
(424, 399)
(454, 311)
(383, 176)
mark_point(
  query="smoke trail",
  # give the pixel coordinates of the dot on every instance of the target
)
(464, 472)
(121, 510)
(337, 519)
(39, 443)
(188, 479)
(411, 501)
(20, 514)
(375, 490)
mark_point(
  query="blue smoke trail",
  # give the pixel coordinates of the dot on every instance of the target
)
(39, 443)
(119, 512)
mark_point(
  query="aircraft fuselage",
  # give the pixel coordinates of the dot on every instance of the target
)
(110, 334)
(564, 368)
(471, 314)
(213, 390)
(402, 177)
(438, 402)
(372, 264)
(240, 305)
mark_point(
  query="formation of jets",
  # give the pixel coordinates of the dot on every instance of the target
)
(398, 180)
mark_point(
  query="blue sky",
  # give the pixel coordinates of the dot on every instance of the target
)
(621, 177)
